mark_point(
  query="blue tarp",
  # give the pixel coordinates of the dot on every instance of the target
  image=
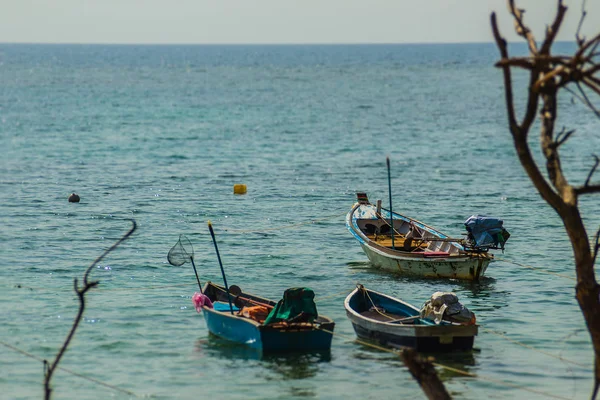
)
(486, 231)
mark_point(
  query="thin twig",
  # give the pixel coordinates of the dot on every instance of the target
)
(553, 30)
(520, 27)
(591, 83)
(579, 39)
(49, 369)
(562, 137)
(589, 177)
(501, 42)
(587, 100)
(596, 247)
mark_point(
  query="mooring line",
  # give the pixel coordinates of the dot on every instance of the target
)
(345, 292)
(536, 269)
(452, 369)
(276, 228)
(534, 349)
(102, 289)
(23, 352)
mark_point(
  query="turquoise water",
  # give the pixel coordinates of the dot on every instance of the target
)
(162, 133)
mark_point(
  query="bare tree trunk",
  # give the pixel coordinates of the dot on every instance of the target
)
(548, 75)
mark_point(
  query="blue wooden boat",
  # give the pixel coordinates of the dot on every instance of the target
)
(241, 321)
(395, 323)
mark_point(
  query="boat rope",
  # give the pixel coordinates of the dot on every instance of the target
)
(536, 269)
(374, 306)
(94, 380)
(276, 228)
(422, 239)
(344, 292)
(448, 368)
(533, 348)
(101, 289)
(148, 287)
(388, 224)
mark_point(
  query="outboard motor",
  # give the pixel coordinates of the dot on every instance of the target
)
(445, 306)
(485, 233)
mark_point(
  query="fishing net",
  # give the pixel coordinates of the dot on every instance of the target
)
(182, 252)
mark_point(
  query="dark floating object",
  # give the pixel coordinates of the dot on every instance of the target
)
(74, 198)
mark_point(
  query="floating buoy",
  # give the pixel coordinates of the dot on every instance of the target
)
(74, 198)
(239, 188)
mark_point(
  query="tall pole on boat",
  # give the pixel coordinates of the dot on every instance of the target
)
(387, 159)
(212, 233)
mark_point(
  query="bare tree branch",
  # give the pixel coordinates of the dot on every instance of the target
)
(528, 62)
(587, 190)
(576, 95)
(596, 247)
(591, 83)
(553, 30)
(578, 38)
(592, 43)
(597, 161)
(520, 132)
(423, 371)
(587, 101)
(591, 71)
(501, 42)
(547, 77)
(562, 137)
(515, 62)
(520, 27)
(50, 368)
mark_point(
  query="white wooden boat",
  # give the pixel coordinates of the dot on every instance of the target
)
(414, 248)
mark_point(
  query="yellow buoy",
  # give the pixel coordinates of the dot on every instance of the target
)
(239, 188)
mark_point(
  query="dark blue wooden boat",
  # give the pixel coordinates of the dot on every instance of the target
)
(233, 323)
(392, 322)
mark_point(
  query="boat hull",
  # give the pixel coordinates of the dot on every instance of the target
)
(466, 268)
(233, 328)
(420, 341)
(315, 339)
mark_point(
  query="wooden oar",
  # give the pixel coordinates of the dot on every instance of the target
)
(212, 233)
(387, 159)
(258, 303)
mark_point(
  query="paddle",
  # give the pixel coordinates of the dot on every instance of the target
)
(387, 159)
(179, 255)
(212, 233)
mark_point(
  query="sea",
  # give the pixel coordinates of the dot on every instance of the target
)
(160, 134)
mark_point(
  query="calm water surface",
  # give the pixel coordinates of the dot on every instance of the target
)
(162, 133)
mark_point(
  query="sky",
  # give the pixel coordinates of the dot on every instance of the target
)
(277, 21)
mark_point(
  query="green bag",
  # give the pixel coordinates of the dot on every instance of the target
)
(297, 305)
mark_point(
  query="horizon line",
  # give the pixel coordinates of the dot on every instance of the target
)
(261, 43)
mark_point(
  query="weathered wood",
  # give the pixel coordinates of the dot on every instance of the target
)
(424, 373)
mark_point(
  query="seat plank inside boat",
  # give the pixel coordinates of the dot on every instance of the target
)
(386, 241)
(385, 317)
